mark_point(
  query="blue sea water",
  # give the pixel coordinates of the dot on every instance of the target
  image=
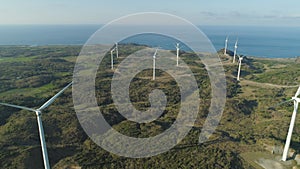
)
(260, 41)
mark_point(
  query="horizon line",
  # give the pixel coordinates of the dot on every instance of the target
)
(102, 24)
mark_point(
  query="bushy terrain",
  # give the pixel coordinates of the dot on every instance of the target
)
(31, 75)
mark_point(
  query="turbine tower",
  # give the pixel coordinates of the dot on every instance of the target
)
(112, 58)
(117, 50)
(177, 53)
(226, 44)
(154, 57)
(38, 113)
(235, 49)
(239, 69)
(296, 101)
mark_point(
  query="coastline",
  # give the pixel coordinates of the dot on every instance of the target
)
(259, 41)
(284, 59)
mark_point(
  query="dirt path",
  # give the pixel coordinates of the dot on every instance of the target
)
(266, 85)
(269, 164)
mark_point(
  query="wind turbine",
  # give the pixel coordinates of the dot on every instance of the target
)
(112, 57)
(296, 100)
(117, 50)
(177, 52)
(235, 49)
(154, 57)
(226, 44)
(38, 113)
(239, 70)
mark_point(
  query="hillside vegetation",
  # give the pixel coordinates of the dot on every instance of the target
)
(31, 75)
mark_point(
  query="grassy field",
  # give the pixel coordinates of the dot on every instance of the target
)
(31, 75)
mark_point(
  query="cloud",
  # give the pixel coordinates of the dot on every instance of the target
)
(291, 17)
(222, 15)
(236, 17)
(208, 14)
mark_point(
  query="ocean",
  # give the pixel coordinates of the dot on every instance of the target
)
(259, 41)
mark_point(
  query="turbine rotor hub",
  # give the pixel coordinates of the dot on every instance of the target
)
(38, 112)
(296, 99)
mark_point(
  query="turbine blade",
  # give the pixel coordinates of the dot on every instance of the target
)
(54, 97)
(19, 107)
(298, 92)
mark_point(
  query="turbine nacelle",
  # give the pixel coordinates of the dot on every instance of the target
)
(38, 112)
(296, 99)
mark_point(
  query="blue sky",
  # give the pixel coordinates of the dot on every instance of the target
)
(200, 12)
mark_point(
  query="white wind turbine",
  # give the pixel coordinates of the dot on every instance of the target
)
(112, 57)
(239, 69)
(117, 50)
(154, 57)
(226, 44)
(235, 49)
(177, 53)
(38, 113)
(289, 136)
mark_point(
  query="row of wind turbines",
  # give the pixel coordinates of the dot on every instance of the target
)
(234, 56)
(116, 50)
(294, 99)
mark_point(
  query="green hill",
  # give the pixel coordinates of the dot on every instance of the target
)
(31, 75)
